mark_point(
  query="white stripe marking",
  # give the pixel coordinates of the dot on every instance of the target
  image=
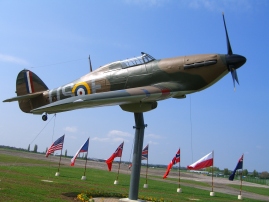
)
(29, 83)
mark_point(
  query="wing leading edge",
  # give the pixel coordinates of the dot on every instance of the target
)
(145, 94)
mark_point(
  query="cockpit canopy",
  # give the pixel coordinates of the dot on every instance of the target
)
(143, 59)
(123, 64)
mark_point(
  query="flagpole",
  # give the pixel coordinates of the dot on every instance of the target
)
(179, 175)
(118, 169)
(85, 164)
(147, 171)
(120, 162)
(212, 168)
(241, 176)
(60, 161)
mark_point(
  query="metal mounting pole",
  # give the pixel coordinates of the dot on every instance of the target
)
(137, 155)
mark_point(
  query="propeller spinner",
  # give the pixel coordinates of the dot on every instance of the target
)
(233, 61)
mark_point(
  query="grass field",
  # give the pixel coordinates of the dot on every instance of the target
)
(21, 180)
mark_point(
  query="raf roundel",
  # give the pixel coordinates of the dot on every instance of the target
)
(81, 89)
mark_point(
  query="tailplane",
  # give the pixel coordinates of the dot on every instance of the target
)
(31, 91)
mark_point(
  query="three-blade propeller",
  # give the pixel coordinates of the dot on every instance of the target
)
(233, 61)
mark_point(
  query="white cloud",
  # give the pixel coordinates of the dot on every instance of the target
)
(100, 139)
(153, 143)
(116, 133)
(144, 3)
(259, 147)
(72, 137)
(70, 129)
(12, 59)
(153, 136)
(114, 136)
(218, 6)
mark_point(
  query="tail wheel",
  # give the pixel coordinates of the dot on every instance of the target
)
(44, 117)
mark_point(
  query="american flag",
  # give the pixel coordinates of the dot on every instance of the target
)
(145, 153)
(57, 145)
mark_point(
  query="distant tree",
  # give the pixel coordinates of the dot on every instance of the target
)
(35, 148)
(245, 172)
(226, 171)
(209, 169)
(28, 147)
(65, 153)
(264, 175)
(255, 173)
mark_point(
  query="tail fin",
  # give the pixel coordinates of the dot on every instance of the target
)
(28, 82)
(30, 91)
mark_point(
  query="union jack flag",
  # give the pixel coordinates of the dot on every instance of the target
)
(145, 153)
(176, 159)
(57, 145)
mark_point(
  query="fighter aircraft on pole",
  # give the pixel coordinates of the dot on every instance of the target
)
(135, 84)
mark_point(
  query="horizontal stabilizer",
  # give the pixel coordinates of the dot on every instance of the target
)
(23, 97)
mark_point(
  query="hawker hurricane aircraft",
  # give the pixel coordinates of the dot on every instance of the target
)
(135, 84)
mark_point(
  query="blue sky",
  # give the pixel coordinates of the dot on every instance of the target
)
(55, 38)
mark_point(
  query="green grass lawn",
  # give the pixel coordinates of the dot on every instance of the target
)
(22, 181)
(256, 190)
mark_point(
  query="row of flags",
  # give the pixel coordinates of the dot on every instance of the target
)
(58, 145)
(204, 162)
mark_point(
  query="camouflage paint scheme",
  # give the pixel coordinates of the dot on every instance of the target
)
(136, 84)
(129, 87)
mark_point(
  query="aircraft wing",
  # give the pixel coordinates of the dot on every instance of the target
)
(120, 97)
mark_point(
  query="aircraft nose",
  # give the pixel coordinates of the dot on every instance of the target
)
(235, 60)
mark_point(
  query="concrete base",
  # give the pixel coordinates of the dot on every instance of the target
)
(212, 193)
(46, 181)
(57, 174)
(146, 186)
(116, 182)
(129, 200)
(240, 197)
(179, 190)
(83, 178)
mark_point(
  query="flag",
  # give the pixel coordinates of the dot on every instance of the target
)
(145, 153)
(117, 153)
(204, 162)
(238, 166)
(130, 166)
(57, 145)
(175, 160)
(83, 148)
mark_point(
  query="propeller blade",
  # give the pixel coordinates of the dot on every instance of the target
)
(236, 78)
(234, 74)
(230, 51)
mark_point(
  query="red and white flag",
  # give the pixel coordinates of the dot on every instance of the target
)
(204, 162)
(117, 153)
